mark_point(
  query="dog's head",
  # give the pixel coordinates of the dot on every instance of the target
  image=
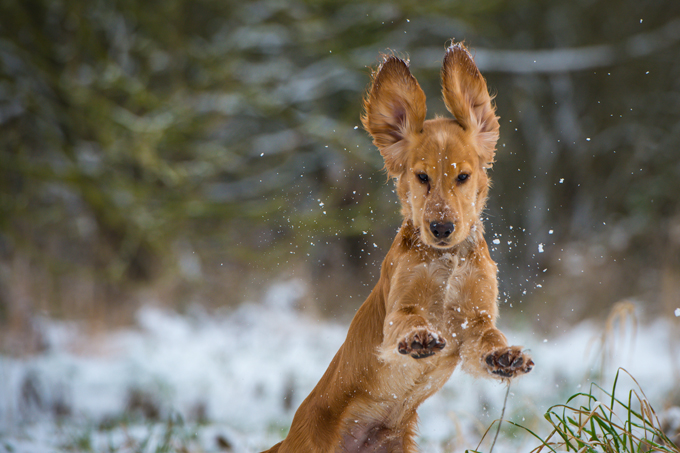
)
(439, 165)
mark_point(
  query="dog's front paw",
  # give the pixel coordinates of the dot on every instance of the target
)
(508, 362)
(421, 342)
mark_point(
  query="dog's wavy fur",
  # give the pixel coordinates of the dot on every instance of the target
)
(435, 305)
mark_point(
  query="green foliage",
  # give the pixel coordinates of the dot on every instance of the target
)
(605, 424)
(130, 131)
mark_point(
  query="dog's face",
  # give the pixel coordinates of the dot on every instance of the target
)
(444, 182)
(439, 165)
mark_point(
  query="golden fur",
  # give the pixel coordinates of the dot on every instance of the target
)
(435, 305)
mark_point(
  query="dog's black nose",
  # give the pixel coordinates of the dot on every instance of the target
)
(441, 230)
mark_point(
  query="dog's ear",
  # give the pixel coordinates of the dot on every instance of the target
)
(394, 111)
(467, 98)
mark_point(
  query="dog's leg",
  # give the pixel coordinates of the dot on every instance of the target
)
(416, 296)
(486, 350)
(407, 330)
(472, 309)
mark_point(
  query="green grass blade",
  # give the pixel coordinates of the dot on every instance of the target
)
(543, 442)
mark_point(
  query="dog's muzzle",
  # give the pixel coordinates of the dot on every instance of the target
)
(441, 230)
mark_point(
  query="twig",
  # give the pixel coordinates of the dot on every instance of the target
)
(498, 430)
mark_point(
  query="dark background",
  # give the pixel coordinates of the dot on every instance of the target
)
(194, 152)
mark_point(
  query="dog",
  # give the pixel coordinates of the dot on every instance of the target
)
(435, 304)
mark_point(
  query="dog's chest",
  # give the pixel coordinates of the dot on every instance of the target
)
(452, 275)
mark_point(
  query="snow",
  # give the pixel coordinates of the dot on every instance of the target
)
(238, 376)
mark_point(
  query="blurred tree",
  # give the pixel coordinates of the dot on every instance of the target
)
(195, 146)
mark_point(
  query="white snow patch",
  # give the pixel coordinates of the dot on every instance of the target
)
(249, 369)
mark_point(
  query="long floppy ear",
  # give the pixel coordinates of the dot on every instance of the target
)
(394, 111)
(467, 98)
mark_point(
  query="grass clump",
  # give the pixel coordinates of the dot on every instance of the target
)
(605, 424)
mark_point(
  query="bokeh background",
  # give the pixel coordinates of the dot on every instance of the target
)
(184, 153)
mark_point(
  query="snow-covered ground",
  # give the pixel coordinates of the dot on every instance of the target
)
(232, 382)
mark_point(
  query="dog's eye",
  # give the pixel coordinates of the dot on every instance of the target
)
(463, 177)
(423, 178)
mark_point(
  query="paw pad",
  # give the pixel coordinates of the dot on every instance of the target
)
(421, 343)
(509, 362)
